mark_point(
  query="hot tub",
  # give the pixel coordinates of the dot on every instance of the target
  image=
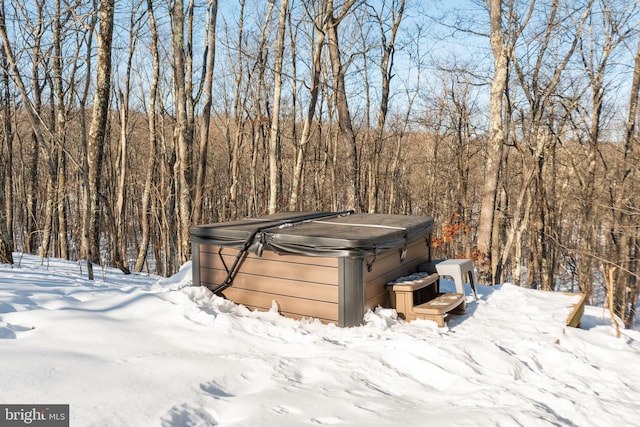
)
(332, 266)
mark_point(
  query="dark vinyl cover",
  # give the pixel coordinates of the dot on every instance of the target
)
(328, 234)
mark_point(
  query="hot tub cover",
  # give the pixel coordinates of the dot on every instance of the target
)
(326, 234)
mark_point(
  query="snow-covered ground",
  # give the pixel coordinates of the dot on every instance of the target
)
(140, 351)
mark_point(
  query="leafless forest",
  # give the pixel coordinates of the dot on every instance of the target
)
(513, 123)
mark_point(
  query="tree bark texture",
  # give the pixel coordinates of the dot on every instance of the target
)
(97, 129)
(495, 143)
(274, 134)
(182, 137)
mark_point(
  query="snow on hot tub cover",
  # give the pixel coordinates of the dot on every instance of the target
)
(327, 234)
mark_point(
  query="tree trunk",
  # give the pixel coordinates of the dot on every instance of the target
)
(120, 241)
(6, 242)
(119, 252)
(97, 129)
(182, 138)
(201, 173)
(31, 202)
(626, 245)
(60, 122)
(314, 88)
(84, 135)
(274, 170)
(345, 126)
(145, 200)
(494, 145)
(31, 102)
(61, 207)
(6, 153)
(387, 47)
(238, 121)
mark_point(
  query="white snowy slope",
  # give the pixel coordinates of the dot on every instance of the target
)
(139, 351)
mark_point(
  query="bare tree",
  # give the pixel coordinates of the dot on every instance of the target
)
(86, 240)
(625, 232)
(332, 20)
(496, 138)
(182, 131)
(97, 130)
(235, 133)
(318, 37)
(40, 131)
(597, 49)
(210, 54)
(122, 175)
(275, 112)
(387, 50)
(60, 130)
(541, 88)
(145, 208)
(6, 242)
(6, 149)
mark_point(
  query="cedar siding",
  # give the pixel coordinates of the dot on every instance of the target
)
(301, 286)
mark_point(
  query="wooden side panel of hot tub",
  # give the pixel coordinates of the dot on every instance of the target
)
(388, 267)
(302, 286)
